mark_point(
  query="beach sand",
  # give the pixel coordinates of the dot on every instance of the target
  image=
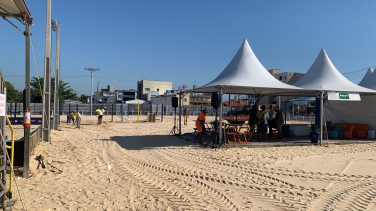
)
(137, 166)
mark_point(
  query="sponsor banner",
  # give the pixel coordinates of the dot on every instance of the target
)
(344, 96)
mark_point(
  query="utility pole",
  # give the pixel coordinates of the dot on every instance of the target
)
(91, 90)
(56, 27)
(97, 95)
(46, 120)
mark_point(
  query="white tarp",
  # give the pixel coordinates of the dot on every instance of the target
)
(246, 75)
(324, 76)
(360, 112)
(136, 102)
(365, 81)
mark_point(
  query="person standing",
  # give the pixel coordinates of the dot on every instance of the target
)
(103, 110)
(186, 115)
(100, 115)
(263, 123)
(279, 119)
(252, 116)
(71, 116)
(270, 121)
(78, 119)
(200, 124)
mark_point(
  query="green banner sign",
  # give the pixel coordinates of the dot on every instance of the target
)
(344, 96)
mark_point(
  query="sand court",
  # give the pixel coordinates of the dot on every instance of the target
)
(137, 166)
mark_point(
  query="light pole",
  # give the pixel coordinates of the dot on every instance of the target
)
(91, 90)
(56, 27)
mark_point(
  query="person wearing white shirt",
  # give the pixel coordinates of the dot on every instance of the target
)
(264, 124)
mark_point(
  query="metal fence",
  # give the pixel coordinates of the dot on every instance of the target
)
(35, 138)
(16, 109)
(304, 119)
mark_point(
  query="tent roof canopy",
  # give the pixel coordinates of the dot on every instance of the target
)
(14, 8)
(324, 76)
(365, 82)
(246, 75)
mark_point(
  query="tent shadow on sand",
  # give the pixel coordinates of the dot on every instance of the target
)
(150, 141)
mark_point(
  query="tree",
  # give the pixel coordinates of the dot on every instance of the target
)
(65, 91)
(11, 92)
(84, 98)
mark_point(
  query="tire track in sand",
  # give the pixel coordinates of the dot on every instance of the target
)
(181, 191)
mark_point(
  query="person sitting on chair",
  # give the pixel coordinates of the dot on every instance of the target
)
(200, 124)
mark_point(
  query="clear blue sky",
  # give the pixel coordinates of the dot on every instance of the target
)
(190, 41)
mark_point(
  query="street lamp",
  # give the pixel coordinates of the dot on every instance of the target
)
(91, 90)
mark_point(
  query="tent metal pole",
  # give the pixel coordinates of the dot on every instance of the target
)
(26, 160)
(220, 116)
(180, 111)
(293, 110)
(321, 115)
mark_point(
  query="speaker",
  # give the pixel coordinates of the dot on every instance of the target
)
(174, 102)
(216, 100)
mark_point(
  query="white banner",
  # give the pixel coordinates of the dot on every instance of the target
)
(344, 96)
(2, 104)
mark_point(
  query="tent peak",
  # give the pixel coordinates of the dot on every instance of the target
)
(367, 81)
(323, 75)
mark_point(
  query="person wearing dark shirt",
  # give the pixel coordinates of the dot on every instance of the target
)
(252, 116)
(271, 123)
(279, 120)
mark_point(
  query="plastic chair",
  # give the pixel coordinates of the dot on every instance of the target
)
(339, 129)
(337, 132)
(332, 134)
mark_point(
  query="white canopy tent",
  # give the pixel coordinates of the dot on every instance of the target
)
(365, 82)
(246, 75)
(324, 77)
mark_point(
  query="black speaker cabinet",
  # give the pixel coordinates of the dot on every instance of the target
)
(216, 100)
(175, 102)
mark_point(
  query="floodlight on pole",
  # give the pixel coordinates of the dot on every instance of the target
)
(91, 89)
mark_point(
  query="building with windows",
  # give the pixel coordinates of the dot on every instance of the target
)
(110, 95)
(285, 77)
(145, 86)
(125, 95)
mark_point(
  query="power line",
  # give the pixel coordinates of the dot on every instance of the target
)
(114, 79)
(357, 70)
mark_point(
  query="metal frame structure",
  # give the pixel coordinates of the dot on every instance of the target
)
(3, 150)
(18, 10)
(46, 115)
